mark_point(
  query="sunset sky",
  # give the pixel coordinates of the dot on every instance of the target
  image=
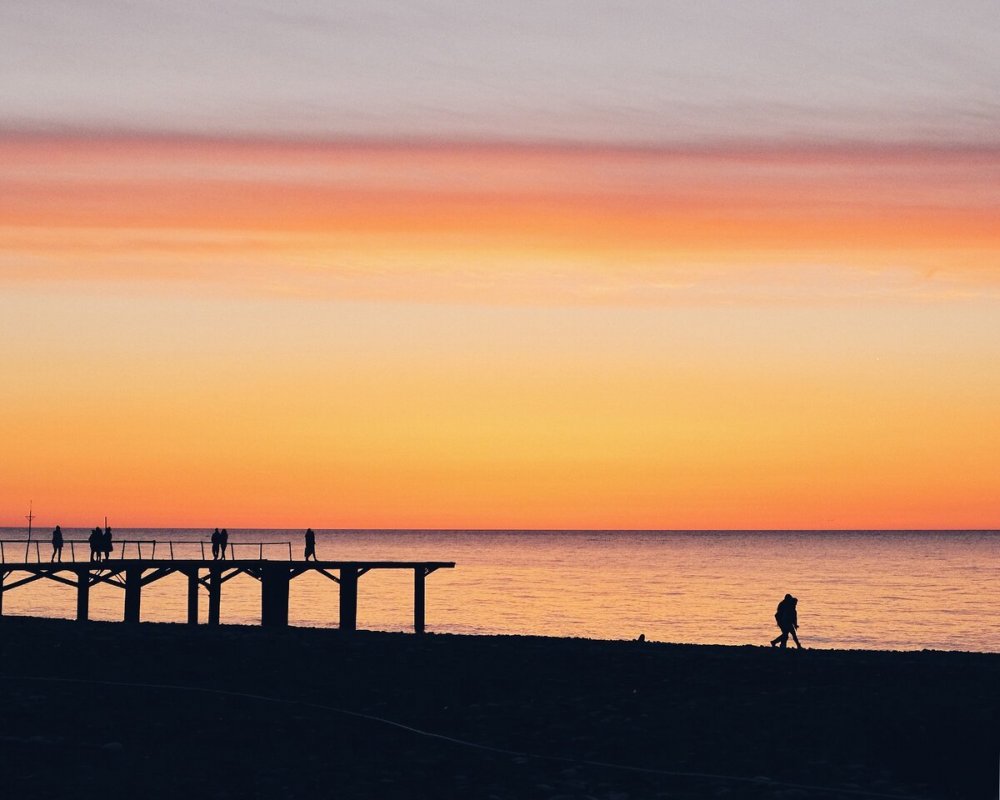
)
(530, 265)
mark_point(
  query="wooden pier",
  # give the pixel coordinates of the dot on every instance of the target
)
(275, 576)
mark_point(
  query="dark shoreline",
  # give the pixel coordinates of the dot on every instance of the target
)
(908, 723)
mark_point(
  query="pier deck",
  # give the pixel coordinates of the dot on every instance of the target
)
(209, 575)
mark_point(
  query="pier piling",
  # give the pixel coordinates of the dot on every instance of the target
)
(133, 593)
(274, 580)
(214, 594)
(192, 605)
(82, 594)
(348, 598)
(419, 594)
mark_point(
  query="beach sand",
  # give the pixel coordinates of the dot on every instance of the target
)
(918, 724)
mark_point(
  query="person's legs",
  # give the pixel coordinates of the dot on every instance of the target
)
(795, 637)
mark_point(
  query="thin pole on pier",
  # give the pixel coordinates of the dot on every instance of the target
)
(1, 592)
(82, 594)
(214, 594)
(29, 516)
(192, 576)
(419, 593)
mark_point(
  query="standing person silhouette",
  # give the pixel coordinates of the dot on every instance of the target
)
(106, 543)
(788, 620)
(95, 540)
(224, 541)
(57, 544)
(216, 542)
(310, 544)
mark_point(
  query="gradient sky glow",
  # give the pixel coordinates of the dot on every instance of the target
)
(539, 266)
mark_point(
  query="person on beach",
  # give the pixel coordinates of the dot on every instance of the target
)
(310, 544)
(95, 540)
(216, 543)
(224, 541)
(108, 546)
(788, 620)
(57, 544)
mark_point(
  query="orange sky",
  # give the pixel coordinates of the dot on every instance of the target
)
(203, 332)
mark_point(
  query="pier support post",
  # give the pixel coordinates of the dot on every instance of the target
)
(274, 582)
(419, 593)
(348, 599)
(192, 576)
(133, 593)
(1, 592)
(214, 594)
(82, 594)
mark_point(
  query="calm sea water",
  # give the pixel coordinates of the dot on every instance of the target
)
(881, 590)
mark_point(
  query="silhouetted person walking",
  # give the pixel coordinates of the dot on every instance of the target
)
(788, 620)
(106, 543)
(96, 541)
(216, 544)
(310, 544)
(224, 541)
(57, 544)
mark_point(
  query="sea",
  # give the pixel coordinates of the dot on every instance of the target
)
(882, 590)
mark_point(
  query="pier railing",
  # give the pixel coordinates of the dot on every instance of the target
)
(23, 551)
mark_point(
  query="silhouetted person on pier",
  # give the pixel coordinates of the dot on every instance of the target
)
(106, 544)
(216, 543)
(310, 544)
(96, 541)
(224, 541)
(57, 544)
(788, 620)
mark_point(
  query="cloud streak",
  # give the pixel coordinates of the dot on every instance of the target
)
(502, 223)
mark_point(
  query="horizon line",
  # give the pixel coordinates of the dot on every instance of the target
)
(548, 530)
